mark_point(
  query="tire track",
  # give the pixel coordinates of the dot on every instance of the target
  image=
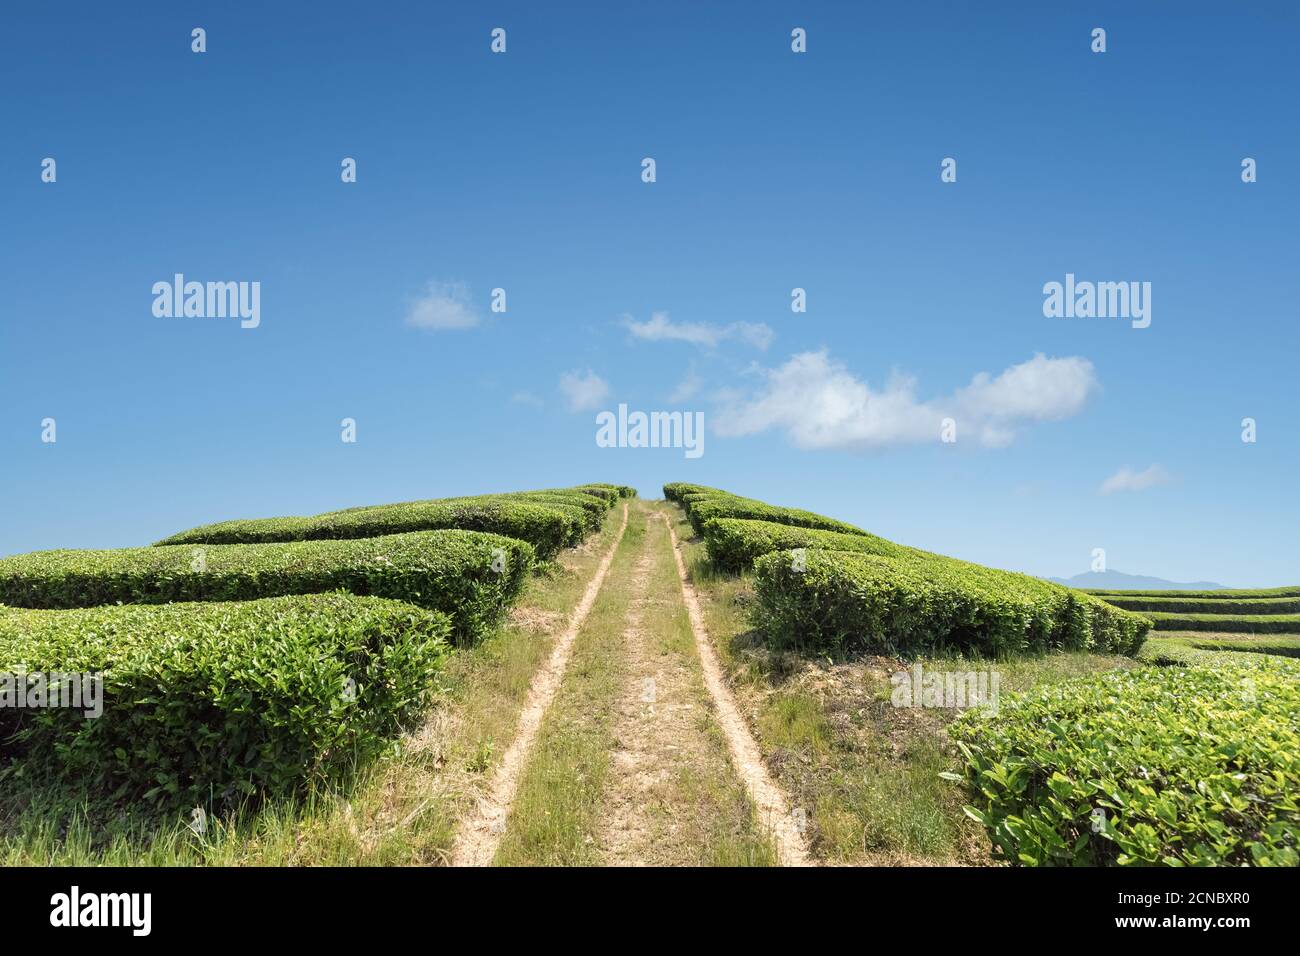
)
(480, 833)
(773, 808)
(635, 764)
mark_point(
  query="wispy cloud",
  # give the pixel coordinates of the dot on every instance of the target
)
(819, 403)
(686, 389)
(444, 306)
(1126, 479)
(660, 328)
(583, 390)
(526, 398)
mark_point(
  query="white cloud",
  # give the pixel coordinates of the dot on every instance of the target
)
(583, 390)
(526, 398)
(686, 389)
(819, 403)
(659, 328)
(1039, 390)
(1126, 479)
(445, 305)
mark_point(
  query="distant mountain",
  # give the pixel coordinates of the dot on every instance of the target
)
(1136, 582)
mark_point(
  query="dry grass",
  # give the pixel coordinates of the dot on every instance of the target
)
(626, 773)
(402, 810)
(866, 773)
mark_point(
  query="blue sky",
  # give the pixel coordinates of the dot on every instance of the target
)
(775, 170)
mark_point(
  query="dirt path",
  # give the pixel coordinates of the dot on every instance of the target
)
(634, 767)
(773, 809)
(479, 834)
(629, 749)
(671, 797)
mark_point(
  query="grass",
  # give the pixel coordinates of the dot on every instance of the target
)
(403, 808)
(400, 810)
(573, 800)
(867, 774)
(554, 817)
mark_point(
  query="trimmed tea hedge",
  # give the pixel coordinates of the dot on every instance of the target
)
(1227, 623)
(583, 513)
(1154, 766)
(598, 500)
(860, 593)
(842, 603)
(588, 505)
(1187, 648)
(1226, 594)
(547, 519)
(1180, 605)
(208, 704)
(547, 529)
(624, 491)
(609, 495)
(450, 571)
(674, 490)
(705, 510)
(594, 502)
(689, 499)
(734, 543)
(577, 496)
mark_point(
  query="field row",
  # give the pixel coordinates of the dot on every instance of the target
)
(1262, 611)
(1223, 594)
(238, 670)
(548, 520)
(1227, 623)
(1198, 647)
(470, 576)
(846, 591)
(1181, 752)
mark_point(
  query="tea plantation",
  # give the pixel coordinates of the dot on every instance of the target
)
(242, 659)
(1191, 759)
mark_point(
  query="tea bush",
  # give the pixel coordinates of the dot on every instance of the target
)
(451, 571)
(1227, 623)
(720, 506)
(1190, 647)
(624, 491)
(1182, 605)
(1156, 766)
(1223, 594)
(583, 513)
(548, 519)
(674, 490)
(208, 704)
(689, 499)
(547, 529)
(844, 603)
(734, 543)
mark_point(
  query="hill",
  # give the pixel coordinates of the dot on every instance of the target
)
(1119, 580)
